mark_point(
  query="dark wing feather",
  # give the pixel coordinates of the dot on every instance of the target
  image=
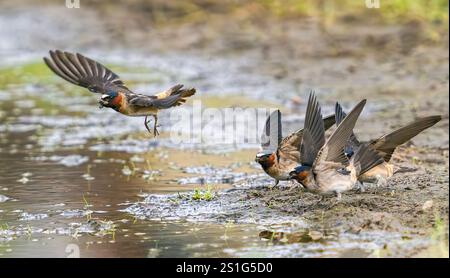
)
(152, 101)
(272, 134)
(295, 139)
(290, 145)
(365, 158)
(329, 121)
(84, 72)
(333, 150)
(175, 96)
(308, 150)
(353, 142)
(387, 144)
(313, 132)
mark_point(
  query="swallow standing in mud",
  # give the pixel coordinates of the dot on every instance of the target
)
(87, 73)
(325, 169)
(279, 156)
(385, 146)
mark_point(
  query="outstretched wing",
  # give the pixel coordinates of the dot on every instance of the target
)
(313, 132)
(387, 144)
(353, 142)
(293, 140)
(333, 150)
(172, 97)
(272, 134)
(84, 72)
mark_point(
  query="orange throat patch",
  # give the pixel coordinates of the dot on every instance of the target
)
(302, 176)
(117, 101)
(269, 162)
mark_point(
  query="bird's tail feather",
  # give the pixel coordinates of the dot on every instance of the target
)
(176, 95)
(402, 169)
(183, 93)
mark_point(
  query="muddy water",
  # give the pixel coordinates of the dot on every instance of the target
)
(76, 180)
(69, 174)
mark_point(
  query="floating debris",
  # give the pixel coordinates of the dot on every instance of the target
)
(25, 216)
(126, 171)
(88, 177)
(304, 236)
(18, 128)
(68, 161)
(25, 178)
(211, 175)
(71, 213)
(150, 174)
(3, 198)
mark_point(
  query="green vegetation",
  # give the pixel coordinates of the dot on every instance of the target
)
(439, 236)
(205, 194)
(32, 72)
(393, 11)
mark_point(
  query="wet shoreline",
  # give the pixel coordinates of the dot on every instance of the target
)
(69, 175)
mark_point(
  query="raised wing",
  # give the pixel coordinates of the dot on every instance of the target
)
(272, 134)
(84, 72)
(313, 132)
(333, 150)
(365, 158)
(294, 139)
(353, 142)
(387, 144)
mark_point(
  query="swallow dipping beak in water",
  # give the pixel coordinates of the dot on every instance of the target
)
(278, 155)
(324, 167)
(385, 146)
(82, 71)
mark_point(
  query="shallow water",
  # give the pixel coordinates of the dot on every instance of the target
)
(76, 177)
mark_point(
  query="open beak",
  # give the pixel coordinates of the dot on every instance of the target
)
(102, 103)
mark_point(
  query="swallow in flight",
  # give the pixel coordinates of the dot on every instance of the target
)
(85, 72)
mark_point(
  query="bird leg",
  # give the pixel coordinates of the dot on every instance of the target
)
(272, 186)
(146, 124)
(155, 130)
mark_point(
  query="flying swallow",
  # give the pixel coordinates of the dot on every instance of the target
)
(386, 145)
(85, 72)
(279, 156)
(324, 168)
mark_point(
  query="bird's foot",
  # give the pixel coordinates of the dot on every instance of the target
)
(155, 127)
(155, 130)
(271, 187)
(146, 125)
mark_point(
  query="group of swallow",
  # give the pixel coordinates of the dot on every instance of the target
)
(320, 165)
(336, 164)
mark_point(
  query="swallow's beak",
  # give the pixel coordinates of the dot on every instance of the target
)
(258, 157)
(292, 175)
(103, 101)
